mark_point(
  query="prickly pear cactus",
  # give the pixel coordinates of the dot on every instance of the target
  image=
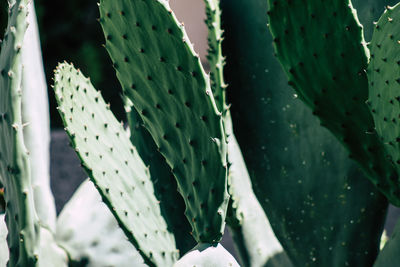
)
(114, 166)
(325, 57)
(165, 187)
(248, 224)
(301, 175)
(383, 74)
(215, 59)
(21, 219)
(163, 78)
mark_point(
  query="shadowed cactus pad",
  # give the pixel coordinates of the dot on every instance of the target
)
(163, 78)
(320, 205)
(321, 48)
(165, 187)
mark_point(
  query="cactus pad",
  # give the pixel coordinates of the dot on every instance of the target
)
(384, 82)
(214, 56)
(162, 76)
(22, 223)
(321, 48)
(114, 165)
(317, 200)
(165, 187)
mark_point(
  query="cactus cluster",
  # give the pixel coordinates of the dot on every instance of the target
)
(175, 174)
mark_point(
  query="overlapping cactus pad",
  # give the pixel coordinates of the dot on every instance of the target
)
(321, 48)
(165, 187)
(162, 76)
(114, 165)
(384, 82)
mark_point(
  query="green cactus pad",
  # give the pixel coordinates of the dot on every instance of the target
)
(21, 219)
(207, 255)
(384, 82)
(214, 56)
(368, 11)
(254, 239)
(321, 208)
(321, 48)
(165, 187)
(114, 165)
(162, 76)
(89, 232)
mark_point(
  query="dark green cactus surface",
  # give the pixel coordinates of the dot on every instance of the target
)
(322, 209)
(165, 187)
(114, 166)
(163, 78)
(322, 50)
(254, 239)
(21, 220)
(384, 82)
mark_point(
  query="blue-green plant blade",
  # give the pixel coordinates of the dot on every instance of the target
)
(35, 114)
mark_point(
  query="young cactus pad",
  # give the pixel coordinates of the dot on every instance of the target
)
(114, 165)
(321, 48)
(163, 78)
(384, 82)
